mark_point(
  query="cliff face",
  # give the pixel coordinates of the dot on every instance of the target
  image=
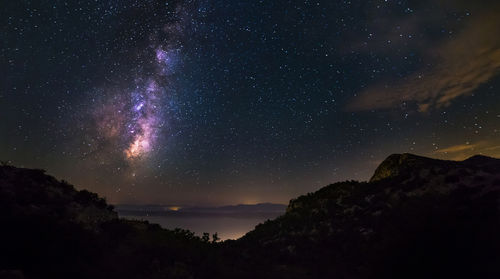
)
(408, 164)
(398, 164)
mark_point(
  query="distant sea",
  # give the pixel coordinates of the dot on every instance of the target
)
(229, 222)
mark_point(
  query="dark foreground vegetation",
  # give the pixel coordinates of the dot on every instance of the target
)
(416, 218)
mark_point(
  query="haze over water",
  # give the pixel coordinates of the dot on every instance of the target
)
(230, 222)
(225, 227)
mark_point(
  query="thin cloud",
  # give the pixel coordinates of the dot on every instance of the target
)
(457, 148)
(464, 151)
(460, 65)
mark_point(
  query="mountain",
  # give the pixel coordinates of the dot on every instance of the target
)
(403, 164)
(416, 218)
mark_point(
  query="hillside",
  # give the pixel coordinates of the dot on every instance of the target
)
(51, 230)
(416, 218)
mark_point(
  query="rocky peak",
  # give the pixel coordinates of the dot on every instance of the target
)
(397, 164)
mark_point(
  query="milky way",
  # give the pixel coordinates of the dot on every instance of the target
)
(144, 124)
(239, 101)
(134, 119)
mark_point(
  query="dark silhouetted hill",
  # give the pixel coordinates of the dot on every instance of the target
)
(50, 230)
(416, 218)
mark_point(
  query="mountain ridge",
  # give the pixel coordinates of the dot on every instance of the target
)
(371, 228)
(395, 164)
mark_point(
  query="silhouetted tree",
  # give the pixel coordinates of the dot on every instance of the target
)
(215, 238)
(205, 237)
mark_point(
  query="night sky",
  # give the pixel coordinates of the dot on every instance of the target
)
(217, 102)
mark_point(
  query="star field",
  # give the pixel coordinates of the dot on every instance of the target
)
(226, 102)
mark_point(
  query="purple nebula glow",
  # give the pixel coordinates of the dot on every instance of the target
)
(136, 128)
(161, 55)
(139, 106)
(167, 60)
(144, 121)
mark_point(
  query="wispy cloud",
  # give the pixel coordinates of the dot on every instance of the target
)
(458, 67)
(464, 151)
(457, 148)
